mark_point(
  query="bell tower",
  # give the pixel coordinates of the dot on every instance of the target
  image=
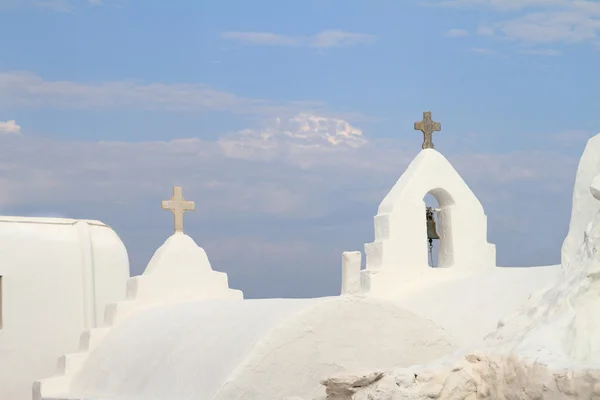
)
(405, 227)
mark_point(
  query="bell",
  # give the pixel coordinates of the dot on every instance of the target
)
(431, 231)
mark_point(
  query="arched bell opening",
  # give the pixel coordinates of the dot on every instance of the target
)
(431, 209)
(438, 212)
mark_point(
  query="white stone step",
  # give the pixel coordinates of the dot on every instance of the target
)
(51, 388)
(133, 287)
(70, 363)
(91, 338)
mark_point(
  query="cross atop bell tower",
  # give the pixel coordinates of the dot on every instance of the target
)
(427, 126)
(178, 205)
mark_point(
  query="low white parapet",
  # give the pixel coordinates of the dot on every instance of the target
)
(351, 280)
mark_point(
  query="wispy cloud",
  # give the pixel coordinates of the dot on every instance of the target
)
(571, 138)
(333, 38)
(485, 30)
(542, 52)
(540, 21)
(501, 5)
(56, 5)
(324, 39)
(27, 90)
(322, 193)
(262, 38)
(568, 26)
(9, 127)
(481, 50)
(306, 141)
(251, 168)
(61, 6)
(456, 33)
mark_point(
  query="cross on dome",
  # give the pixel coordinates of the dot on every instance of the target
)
(178, 206)
(427, 126)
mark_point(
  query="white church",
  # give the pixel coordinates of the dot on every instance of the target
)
(74, 325)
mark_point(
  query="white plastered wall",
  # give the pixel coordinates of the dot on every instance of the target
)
(178, 272)
(585, 206)
(57, 276)
(400, 249)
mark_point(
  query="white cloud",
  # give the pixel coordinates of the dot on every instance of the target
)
(480, 50)
(485, 30)
(552, 26)
(542, 52)
(324, 39)
(306, 164)
(502, 5)
(297, 135)
(315, 199)
(336, 38)
(571, 138)
(9, 127)
(56, 5)
(27, 90)
(61, 6)
(540, 21)
(456, 33)
(225, 167)
(262, 38)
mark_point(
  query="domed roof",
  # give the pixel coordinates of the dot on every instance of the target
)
(253, 349)
(178, 251)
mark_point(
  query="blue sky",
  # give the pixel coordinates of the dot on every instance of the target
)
(287, 122)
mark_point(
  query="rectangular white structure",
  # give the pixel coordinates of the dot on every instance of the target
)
(351, 261)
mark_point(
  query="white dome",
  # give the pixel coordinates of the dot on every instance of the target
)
(255, 349)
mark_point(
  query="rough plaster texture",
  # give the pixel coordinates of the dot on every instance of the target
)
(178, 272)
(254, 349)
(58, 275)
(549, 349)
(400, 247)
(584, 204)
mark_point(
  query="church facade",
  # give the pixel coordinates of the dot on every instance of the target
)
(179, 331)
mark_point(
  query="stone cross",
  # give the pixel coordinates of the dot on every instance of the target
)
(178, 207)
(427, 126)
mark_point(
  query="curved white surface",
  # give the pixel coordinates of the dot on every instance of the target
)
(57, 277)
(584, 204)
(184, 350)
(255, 349)
(178, 272)
(469, 305)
